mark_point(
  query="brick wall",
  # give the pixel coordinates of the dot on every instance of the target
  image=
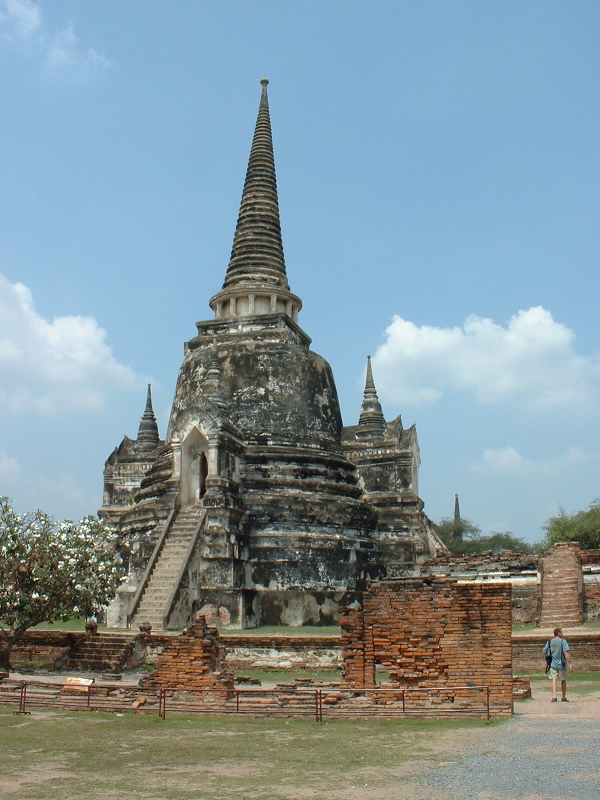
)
(432, 632)
(518, 569)
(45, 646)
(561, 586)
(591, 596)
(590, 558)
(193, 661)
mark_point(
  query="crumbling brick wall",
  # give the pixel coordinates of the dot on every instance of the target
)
(561, 586)
(518, 569)
(590, 563)
(192, 662)
(591, 596)
(45, 646)
(432, 632)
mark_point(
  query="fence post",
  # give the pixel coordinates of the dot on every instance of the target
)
(237, 701)
(318, 706)
(22, 699)
(487, 698)
(162, 703)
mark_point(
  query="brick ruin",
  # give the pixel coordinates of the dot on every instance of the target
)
(193, 662)
(431, 635)
(520, 570)
(561, 586)
(432, 632)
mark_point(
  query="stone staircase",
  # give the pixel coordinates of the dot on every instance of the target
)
(161, 581)
(103, 652)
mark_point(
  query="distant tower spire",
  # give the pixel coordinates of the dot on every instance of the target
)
(256, 280)
(371, 421)
(148, 438)
(456, 509)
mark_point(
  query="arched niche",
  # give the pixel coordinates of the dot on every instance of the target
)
(194, 468)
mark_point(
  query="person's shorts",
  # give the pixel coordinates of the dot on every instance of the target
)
(558, 673)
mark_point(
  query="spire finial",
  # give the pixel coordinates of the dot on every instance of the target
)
(148, 438)
(371, 421)
(264, 99)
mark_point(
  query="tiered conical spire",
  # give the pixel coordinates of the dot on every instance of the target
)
(371, 421)
(256, 281)
(148, 438)
(257, 253)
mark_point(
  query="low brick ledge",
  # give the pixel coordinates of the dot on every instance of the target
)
(527, 645)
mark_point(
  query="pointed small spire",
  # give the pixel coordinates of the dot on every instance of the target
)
(148, 438)
(257, 253)
(371, 421)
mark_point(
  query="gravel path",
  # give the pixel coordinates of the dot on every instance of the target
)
(547, 751)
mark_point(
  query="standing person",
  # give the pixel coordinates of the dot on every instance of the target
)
(558, 648)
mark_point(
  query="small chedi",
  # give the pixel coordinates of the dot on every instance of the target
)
(259, 506)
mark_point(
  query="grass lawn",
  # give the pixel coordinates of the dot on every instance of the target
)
(98, 755)
(580, 682)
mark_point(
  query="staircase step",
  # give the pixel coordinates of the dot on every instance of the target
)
(161, 581)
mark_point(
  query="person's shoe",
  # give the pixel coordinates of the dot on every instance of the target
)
(553, 700)
(564, 700)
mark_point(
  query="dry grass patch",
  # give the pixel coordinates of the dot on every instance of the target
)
(138, 757)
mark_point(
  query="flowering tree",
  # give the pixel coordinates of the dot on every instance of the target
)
(51, 570)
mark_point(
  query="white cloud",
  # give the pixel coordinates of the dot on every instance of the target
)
(25, 16)
(63, 57)
(53, 366)
(531, 361)
(10, 470)
(509, 462)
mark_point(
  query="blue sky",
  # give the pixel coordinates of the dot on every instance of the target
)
(438, 181)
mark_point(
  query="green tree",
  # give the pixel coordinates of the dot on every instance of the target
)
(463, 537)
(51, 571)
(453, 531)
(582, 527)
